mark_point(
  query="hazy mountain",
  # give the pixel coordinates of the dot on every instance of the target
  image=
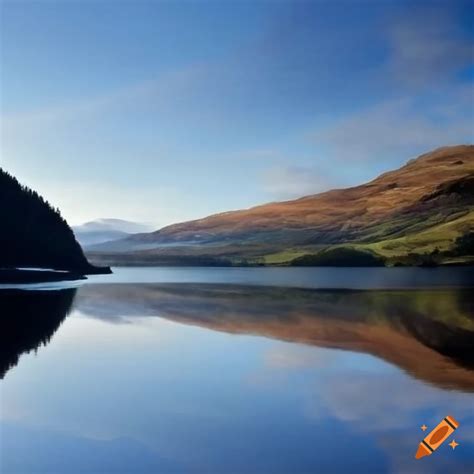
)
(401, 217)
(34, 234)
(105, 230)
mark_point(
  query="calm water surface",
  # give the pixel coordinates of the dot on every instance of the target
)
(238, 371)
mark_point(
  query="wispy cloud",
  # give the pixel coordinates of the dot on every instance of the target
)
(402, 126)
(287, 357)
(427, 103)
(165, 87)
(354, 397)
(286, 182)
(392, 413)
(426, 47)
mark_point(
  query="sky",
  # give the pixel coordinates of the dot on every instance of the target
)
(164, 111)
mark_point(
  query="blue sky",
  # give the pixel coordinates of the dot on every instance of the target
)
(166, 111)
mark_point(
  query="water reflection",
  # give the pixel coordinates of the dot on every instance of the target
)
(28, 320)
(429, 334)
(123, 388)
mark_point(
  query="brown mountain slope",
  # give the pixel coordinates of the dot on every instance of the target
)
(341, 208)
(432, 190)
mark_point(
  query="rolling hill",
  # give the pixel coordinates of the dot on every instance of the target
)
(420, 214)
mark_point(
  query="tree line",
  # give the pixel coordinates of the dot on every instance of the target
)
(33, 233)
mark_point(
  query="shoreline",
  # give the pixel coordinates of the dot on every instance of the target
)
(14, 276)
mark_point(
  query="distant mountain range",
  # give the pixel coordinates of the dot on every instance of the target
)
(35, 235)
(105, 230)
(420, 214)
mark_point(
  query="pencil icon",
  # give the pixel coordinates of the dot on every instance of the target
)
(437, 437)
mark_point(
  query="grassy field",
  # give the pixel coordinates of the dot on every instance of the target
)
(438, 237)
(284, 257)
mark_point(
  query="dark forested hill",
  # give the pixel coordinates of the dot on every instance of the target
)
(33, 234)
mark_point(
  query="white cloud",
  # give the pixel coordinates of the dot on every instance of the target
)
(289, 356)
(286, 182)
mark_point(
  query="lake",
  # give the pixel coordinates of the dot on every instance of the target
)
(238, 370)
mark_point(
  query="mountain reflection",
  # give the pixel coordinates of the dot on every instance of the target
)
(28, 319)
(429, 334)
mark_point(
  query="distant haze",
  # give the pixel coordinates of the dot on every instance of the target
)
(105, 230)
(114, 224)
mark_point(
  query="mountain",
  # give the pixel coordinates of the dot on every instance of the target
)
(106, 230)
(34, 234)
(422, 214)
